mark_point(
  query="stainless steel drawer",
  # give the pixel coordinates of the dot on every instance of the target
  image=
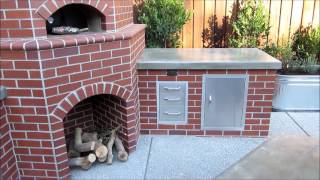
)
(172, 102)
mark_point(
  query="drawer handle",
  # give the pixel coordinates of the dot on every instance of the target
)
(172, 113)
(172, 89)
(173, 99)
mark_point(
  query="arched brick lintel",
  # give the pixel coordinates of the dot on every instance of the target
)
(87, 91)
(50, 6)
(66, 104)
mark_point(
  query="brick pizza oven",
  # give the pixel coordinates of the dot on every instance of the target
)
(58, 82)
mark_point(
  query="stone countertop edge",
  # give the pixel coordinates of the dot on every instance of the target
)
(206, 58)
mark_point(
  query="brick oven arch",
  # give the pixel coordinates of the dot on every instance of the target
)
(87, 91)
(47, 8)
(72, 99)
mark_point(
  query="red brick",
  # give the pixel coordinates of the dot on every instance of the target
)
(158, 132)
(20, 33)
(17, 14)
(212, 132)
(260, 127)
(263, 103)
(166, 126)
(9, 23)
(32, 102)
(252, 121)
(100, 55)
(28, 143)
(148, 126)
(197, 132)
(79, 59)
(121, 68)
(231, 133)
(38, 135)
(30, 83)
(91, 65)
(65, 51)
(177, 132)
(120, 52)
(261, 115)
(68, 70)
(110, 45)
(89, 48)
(265, 78)
(250, 133)
(34, 173)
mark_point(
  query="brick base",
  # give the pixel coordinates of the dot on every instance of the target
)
(261, 86)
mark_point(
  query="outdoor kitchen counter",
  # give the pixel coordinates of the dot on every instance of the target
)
(207, 58)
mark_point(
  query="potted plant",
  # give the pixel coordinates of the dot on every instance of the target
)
(297, 84)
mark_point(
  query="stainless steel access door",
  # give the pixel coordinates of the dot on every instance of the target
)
(224, 102)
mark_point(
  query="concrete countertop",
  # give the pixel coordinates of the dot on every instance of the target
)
(206, 58)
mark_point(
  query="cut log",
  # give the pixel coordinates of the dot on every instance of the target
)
(100, 150)
(110, 145)
(86, 137)
(83, 162)
(71, 151)
(82, 147)
(122, 153)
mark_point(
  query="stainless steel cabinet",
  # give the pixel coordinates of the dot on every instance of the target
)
(172, 101)
(224, 101)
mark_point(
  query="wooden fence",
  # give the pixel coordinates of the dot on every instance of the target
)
(285, 17)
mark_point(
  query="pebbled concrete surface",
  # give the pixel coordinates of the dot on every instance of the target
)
(181, 157)
(187, 157)
(282, 157)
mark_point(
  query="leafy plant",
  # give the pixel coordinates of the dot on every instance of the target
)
(291, 63)
(250, 27)
(164, 20)
(306, 42)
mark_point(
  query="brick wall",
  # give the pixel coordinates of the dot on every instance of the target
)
(8, 166)
(261, 86)
(27, 18)
(79, 116)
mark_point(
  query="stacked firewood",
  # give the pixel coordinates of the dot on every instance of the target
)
(87, 148)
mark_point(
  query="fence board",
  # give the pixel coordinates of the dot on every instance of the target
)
(275, 12)
(307, 12)
(188, 28)
(285, 17)
(284, 27)
(198, 23)
(297, 8)
(316, 14)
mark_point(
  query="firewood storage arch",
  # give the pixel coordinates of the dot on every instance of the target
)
(80, 95)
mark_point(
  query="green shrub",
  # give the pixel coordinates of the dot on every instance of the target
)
(164, 20)
(291, 63)
(283, 53)
(250, 27)
(306, 42)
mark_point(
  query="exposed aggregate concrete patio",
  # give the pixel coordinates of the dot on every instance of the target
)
(181, 157)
